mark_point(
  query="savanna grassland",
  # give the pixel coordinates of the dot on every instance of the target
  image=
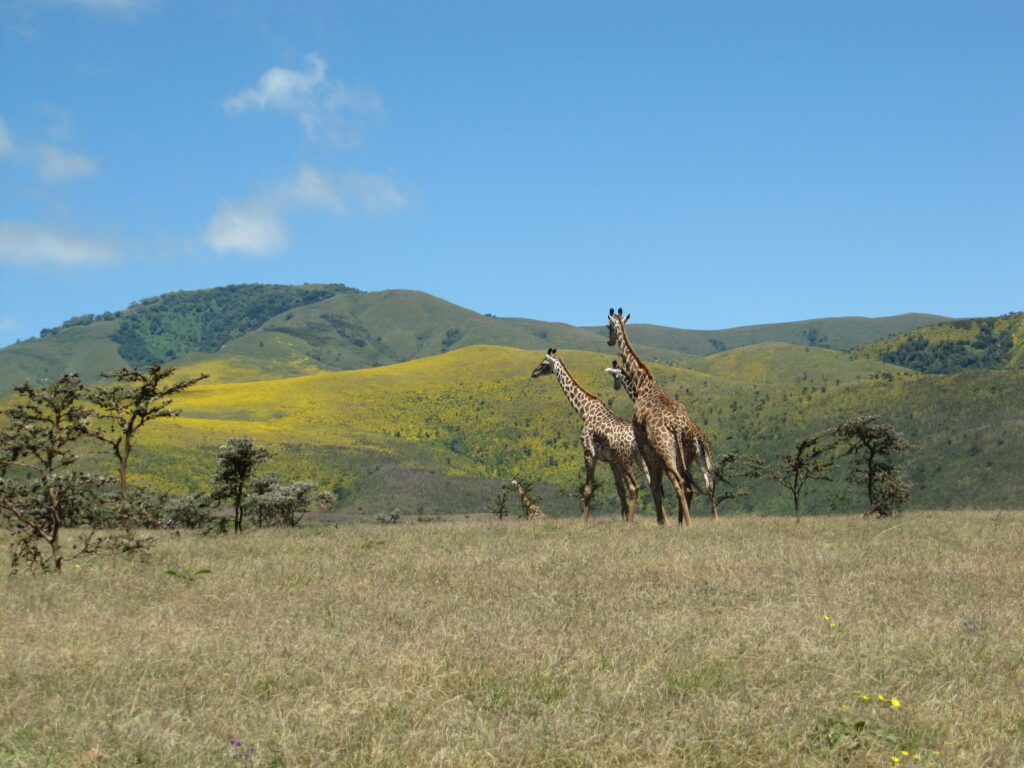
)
(749, 642)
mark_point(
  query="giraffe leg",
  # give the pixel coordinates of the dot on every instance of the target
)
(588, 486)
(634, 493)
(659, 508)
(709, 483)
(620, 487)
(681, 488)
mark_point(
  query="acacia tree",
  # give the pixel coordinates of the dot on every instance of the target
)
(874, 446)
(810, 461)
(39, 494)
(275, 503)
(236, 462)
(722, 473)
(134, 399)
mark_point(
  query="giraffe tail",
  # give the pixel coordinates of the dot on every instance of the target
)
(638, 460)
(707, 464)
(684, 470)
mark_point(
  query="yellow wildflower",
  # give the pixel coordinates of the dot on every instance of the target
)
(895, 760)
(865, 697)
(826, 617)
(832, 625)
(882, 698)
(904, 753)
(895, 703)
(917, 756)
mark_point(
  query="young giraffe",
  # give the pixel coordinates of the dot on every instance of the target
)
(660, 423)
(702, 447)
(605, 437)
(530, 507)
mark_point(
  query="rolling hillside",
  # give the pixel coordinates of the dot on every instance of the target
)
(277, 331)
(400, 401)
(993, 343)
(440, 434)
(842, 333)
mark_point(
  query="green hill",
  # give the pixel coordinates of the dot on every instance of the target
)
(834, 333)
(271, 331)
(155, 330)
(993, 343)
(440, 434)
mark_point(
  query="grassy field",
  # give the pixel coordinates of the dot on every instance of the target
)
(749, 642)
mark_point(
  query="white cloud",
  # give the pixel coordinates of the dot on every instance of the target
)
(8, 324)
(377, 195)
(118, 6)
(55, 164)
(32, 245)
(257, 225)
(254, 227)
(52, 163)
(315, 190)
(316, 101)
(6, 145)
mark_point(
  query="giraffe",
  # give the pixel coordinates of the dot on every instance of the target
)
(660, 423)
(530, 507)
(701, 445)
(606, 436)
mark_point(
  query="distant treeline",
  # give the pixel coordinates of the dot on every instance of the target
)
(989, 349)
(166, 327)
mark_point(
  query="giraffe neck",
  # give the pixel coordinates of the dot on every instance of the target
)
(638, 374)
(579, 398)
(627, 384)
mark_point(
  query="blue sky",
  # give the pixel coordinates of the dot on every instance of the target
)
(702, 164)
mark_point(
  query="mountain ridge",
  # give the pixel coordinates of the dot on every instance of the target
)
(293, 330)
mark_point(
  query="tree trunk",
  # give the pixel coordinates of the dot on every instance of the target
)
(55, 550)
(238, 513)
(122, 483)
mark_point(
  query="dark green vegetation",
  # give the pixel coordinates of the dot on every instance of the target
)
(992, 343)
(440, 433)
(282, 330)
(155, 330)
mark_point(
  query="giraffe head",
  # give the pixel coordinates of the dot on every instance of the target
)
(618, 375)
(616, 326)
(547, 365)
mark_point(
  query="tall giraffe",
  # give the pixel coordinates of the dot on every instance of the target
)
(606, 436)
(660, 423)
(693, 433)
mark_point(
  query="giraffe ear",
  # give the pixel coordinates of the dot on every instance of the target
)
(553, 351)
(611, 310)
(627, 318)
(620, 311)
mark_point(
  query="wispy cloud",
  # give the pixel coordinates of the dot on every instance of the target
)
(115, 6)
(39, 246)
(54, 164)
(257, 225)
(314, 189)
(254, 227)
(8, 324)
(320, 104)
(6, 145)
(374, 194)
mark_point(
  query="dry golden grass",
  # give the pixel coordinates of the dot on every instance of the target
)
(558, 644)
